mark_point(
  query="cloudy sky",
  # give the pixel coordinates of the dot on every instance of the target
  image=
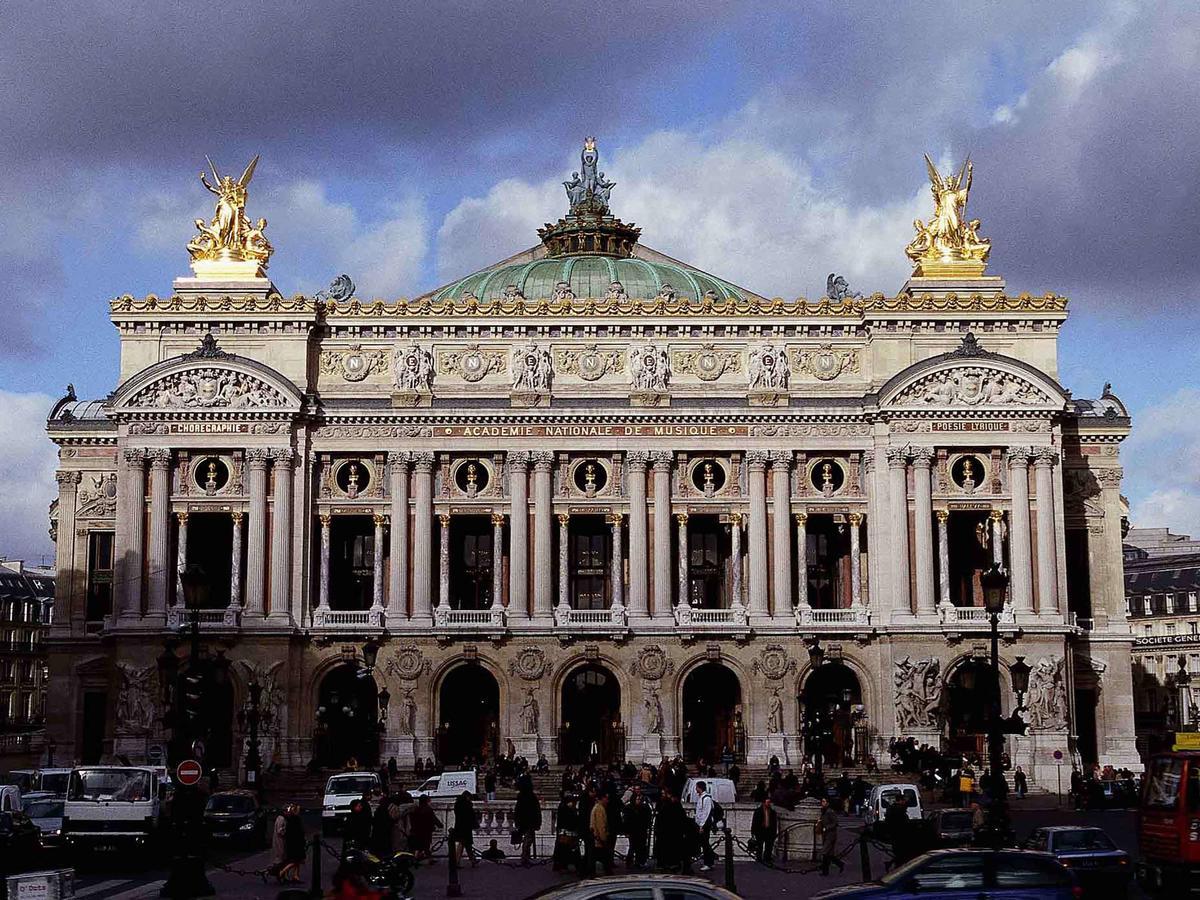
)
(770, 143)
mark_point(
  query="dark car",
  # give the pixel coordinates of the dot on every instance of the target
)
(1103, 869)
(952, 827)
(237, 816)
(1121, 793)
(20, 842)
(969, 875)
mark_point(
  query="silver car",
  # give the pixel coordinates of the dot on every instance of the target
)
(638, 887)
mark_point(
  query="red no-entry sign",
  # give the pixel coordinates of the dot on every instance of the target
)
(188, 772)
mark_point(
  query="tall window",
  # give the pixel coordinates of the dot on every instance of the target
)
(471, 576)
(589, 563)
(706, 575)
(99, 575)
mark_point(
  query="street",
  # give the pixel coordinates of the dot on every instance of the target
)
(230, 871)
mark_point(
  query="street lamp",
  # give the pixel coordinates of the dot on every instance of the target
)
(370, 652)
(1183, 685)
(994, 582)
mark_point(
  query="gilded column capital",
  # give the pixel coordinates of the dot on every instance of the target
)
(943, 515)
(1018, 457)
(444, 519)
(498, 519)
(922, 457)
(182, 517)
(800, 518)
(735, 519)
(616, 519)
(563, 518)
(67, 479)
(757, 460)
(237, 518)
(423, 462)
(637, 459)
(681, 518)
(257, 457)
(326, 519)
(1045, 456)
(662, 460)
(543, 460)
(380, 520)
(996, 515)
(897, 457)
(856, 519)
(135, 456)
(518, 459)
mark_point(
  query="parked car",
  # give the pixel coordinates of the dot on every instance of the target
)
(238, 816)
(952, 827)
(968, 875)
(639, 887)
(19, 843)
(1114, 794)
(342, 790)
(884, 795)
(1103, 869)
(45, 810)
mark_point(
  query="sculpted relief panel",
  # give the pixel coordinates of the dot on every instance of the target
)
(208, 388)
(918, 693)
(971, 386)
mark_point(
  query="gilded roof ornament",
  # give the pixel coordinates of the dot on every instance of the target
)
(231, 245)
(589, 227)
(950, 245)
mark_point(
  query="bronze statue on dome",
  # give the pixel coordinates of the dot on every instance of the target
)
(589, 193)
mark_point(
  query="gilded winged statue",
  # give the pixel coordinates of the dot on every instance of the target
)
(949, 239)
(231, 235)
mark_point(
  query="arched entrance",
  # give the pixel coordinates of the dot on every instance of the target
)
(347, 718)
(591, 728)
(831, 714)
(712, 710)
(968, 700)
(469, 716)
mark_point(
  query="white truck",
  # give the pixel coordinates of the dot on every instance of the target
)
(342, 790)
(448, 784)
(112, 807)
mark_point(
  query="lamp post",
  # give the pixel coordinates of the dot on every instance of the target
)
(813, 726)
(995, 591)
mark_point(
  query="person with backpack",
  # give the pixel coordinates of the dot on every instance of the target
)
(527, 819)
(708, 814)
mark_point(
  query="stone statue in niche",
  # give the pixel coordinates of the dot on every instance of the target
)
(529, 714)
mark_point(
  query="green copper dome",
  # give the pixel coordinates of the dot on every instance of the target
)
(590, 276)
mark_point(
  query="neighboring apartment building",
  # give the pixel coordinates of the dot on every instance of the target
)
(26, 602)
(1162, 587)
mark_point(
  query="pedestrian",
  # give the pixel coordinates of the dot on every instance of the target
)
(764, 827)
(636, 820)
(896, 829)
(527, 819)
(393, 770)
(566, 835)
(356, 832)
(704, 821)
(381, 829)
(493, 853)
(295, 845)
(602, 842)
(978, 819)
(384, 779)
(464, 828)
(278, 846)
(1020, 783)
(827, 830)
(670, 828)
(423, 822)
(489, 784)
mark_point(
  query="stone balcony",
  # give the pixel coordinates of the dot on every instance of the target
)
(975, 618)
(613, 621)
(852, 619)
(347, 619)
(697, 620)
(210, 619)
(491, 621)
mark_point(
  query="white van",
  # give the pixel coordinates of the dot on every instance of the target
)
(884, 795)
(109, 807)
(723, 790)
(448, 784)
(340, 791)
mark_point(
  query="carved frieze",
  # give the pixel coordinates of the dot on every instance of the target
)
(652, 664)
(407, 662)
(825, 363)
(472, 363)
(971, 386)
(591, 363)
(707, 362)
(208, 388)
(769, 368)
(413, 369)
(98, 501)
(529, 664)
(354, 363)
(651, 368)
(773, 662)
(532, 368)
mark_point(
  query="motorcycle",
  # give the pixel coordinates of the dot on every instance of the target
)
(393, 875)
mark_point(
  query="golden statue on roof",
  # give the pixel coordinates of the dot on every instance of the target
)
(950, 244)
(231, 245)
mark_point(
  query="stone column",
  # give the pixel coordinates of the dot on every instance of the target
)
(160, 532)
(497, 560)
(64, 546)
(943, 520)
(377, 568)
(878, 528)
(397, 608)
(801, 519)
(997, 517)
(422, 540)
(684, 598)
(564, 561)
(735, 549)
(781, 487)
(757, 464)
(1020, 552)
(518, 533)
(543, 581)
(639, 586)
(281, 537)
(618, 562)
(444, 562)
(922, 458)
(897, 458)
(662, 534)
(235, 559)
(180, 555)
(130, 587)
(1047, 563)
(323, 586)
(256, 534)
(855, 560)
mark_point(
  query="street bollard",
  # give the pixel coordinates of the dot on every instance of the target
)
(453, 888)
(730, 884)
(864, 855)
(314, 889)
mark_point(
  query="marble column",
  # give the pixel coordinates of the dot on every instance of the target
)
(801, 519)
(922, 460)
(1047, 563)
(781, 570)
(129, 557)
(997, 517)
(281, 536)
(1020, 552)
(422, 540)
(377, 567)
(181, 541)
(518, 533)
(897, 459)
(543, 567)
(757, 466)
(497, 560)
(564, 561)
(235, 561)
(684, 595)
(636, 462)
(64, 546)
(444, 562)
(323, 584)
(855, 560)
(397, 608)
(617, 576)
(735, 552)
(662, 534)
(943, 520)
(160, 533)
(256, 533)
